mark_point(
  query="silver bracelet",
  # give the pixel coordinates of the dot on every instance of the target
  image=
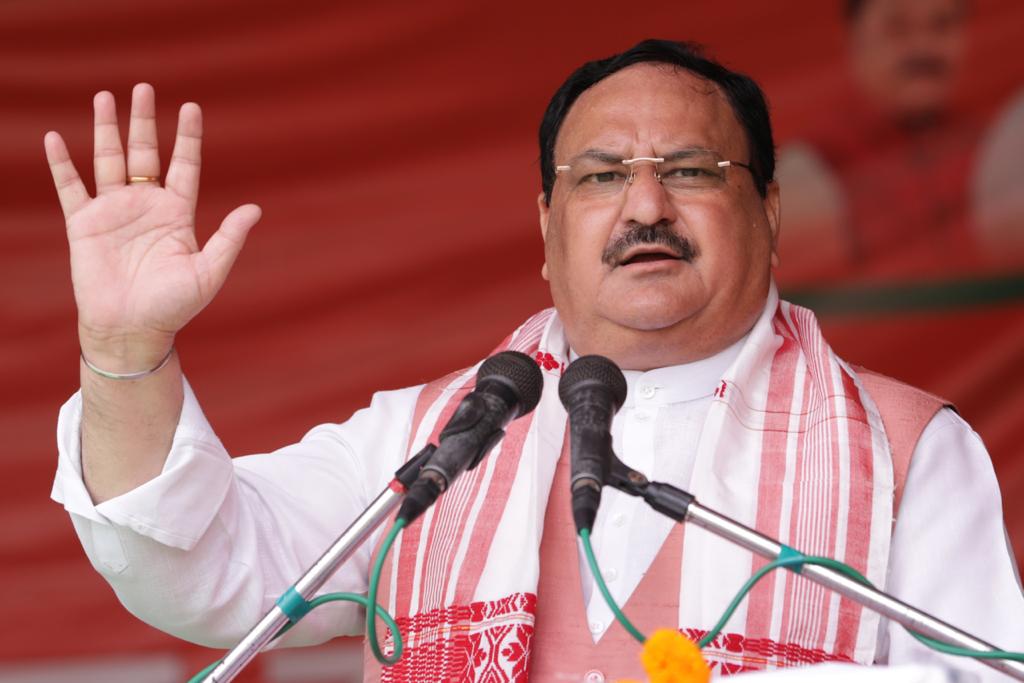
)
(129, 375)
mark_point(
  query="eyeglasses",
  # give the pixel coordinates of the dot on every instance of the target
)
(597, 175)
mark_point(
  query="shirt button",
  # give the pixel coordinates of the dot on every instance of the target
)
(593, 676)
(642, 415)
(596, 627)
(611, 574)
(646, 391)
(619, 519)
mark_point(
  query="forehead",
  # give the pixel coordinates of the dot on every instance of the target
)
(651, 108)
(881, 16)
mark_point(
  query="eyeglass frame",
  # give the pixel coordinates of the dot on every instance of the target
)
(631, 164)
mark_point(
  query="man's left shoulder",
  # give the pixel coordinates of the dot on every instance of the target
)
(897, 398)
(906, 412)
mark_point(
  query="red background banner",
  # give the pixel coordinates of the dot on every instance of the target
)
(392, 147)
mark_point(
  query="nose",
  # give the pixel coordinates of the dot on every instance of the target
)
(646, 201)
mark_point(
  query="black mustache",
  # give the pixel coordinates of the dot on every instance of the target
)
(640, 233)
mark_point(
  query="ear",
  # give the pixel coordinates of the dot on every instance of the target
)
(544, 211)
(773, 212)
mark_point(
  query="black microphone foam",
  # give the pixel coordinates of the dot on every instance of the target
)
(589, 371)
(592, 391)
(508, 385)
(519, 372)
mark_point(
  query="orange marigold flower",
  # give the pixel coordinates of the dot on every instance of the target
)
(670, 657)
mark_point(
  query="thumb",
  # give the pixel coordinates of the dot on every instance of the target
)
(222, 248)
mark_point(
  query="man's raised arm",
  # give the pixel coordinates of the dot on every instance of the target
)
(139, 276)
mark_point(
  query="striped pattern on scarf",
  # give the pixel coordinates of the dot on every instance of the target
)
(792, 446)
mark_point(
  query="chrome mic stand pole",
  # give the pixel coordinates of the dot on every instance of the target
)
(683, 507)
(317, 575)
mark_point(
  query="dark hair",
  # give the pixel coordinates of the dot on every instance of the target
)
(743, 93)
(853, 8)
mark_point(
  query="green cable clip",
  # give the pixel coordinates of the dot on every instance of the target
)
(791, 558)
(293, 605)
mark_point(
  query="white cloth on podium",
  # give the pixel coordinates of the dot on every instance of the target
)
(833, 672)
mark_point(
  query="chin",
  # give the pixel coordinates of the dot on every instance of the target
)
(921, 101)
(649, 318)
(658, 307)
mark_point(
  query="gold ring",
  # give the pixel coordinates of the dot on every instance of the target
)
(143, 179)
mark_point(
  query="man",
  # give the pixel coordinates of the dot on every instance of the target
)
(898, 180)
(660, 220)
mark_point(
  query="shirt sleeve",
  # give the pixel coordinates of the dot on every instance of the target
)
(204, 549)
(950, 556)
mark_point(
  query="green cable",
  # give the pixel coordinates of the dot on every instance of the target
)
(948, 649)
(205, 672)
(592, 561)
(795, 560)
(313, 604)
(791, 561)
(371, 613)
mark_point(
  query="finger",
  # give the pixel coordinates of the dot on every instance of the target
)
(222, 248)
(70, 189)
(108, 155)
(183, 171)
(143, 152)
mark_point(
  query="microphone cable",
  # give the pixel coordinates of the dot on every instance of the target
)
(789, 559)
(313, 604)
(373, 608)
(369, 601)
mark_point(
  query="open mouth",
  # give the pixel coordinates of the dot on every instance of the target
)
(648, 256)
(648, 244)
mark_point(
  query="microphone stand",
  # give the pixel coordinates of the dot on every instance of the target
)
(321, 570)
(683, 507)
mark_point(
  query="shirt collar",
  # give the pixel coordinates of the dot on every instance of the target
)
(677, 383)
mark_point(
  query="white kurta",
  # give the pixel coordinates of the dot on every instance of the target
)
(203, 550)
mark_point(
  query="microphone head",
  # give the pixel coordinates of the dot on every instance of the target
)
(593, 370)
(518, 372)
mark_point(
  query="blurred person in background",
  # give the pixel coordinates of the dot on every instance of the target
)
(898, 180)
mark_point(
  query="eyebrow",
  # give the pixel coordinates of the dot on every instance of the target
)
(599, 155)
(686, 152)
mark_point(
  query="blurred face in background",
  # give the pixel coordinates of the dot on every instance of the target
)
(651, 277)
(907, 54)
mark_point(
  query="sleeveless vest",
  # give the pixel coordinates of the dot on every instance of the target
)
(793, 445)
(563, 649)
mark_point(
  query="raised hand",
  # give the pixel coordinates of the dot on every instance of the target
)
(138, 273)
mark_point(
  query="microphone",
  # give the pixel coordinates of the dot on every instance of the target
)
(592, 391)
(508, 385)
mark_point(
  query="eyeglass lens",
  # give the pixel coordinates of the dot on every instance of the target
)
(591, 177)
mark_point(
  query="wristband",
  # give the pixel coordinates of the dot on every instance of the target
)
(129, 375)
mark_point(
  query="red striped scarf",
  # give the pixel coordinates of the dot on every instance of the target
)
(792, 446)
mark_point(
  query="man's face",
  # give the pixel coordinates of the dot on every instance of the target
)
(702, 284)
(907, 54)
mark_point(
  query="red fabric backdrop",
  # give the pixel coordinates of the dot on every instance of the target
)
(392, 147)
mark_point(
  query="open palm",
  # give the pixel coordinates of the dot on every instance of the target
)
(138, 273)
